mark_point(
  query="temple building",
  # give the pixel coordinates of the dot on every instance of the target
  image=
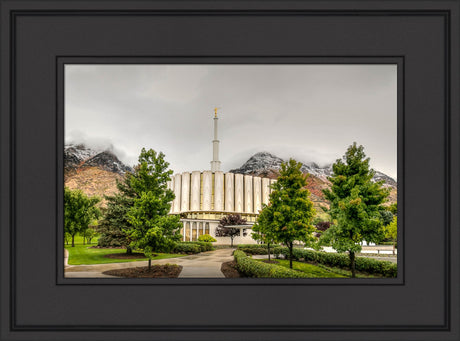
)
(202, 198)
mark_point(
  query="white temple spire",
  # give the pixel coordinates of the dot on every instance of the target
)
(215, 163)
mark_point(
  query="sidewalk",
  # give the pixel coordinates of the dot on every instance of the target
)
(202, 265)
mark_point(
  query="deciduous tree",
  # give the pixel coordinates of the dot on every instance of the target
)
(79, 211)
(391, 232)
(151, 228)
(224, 229)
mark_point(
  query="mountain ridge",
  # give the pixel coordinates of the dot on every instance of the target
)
(96, 172)
(269, 164)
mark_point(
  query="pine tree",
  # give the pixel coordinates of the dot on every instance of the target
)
(355, 204)
(79, 211)
(289, 214)
(115, 221)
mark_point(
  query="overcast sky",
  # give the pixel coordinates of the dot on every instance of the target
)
(309, 112)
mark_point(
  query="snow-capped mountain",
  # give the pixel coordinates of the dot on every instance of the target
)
(267, 164)
(80, 156)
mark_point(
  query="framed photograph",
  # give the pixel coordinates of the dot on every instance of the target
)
(227, 170)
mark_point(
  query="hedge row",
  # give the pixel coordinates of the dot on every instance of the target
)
(255, 249)
(369, 265)
(192, 247)
(253, 268)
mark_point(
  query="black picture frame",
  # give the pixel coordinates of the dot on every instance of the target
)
(39, 37)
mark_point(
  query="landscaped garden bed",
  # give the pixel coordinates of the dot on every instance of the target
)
(230, 270)
(279, 268)
(156, 271)
(134, 255)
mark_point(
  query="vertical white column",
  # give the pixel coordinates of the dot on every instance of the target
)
(207, 190)
(229, 192)
(265, 190)
(185, 193)
(184, 231)
(248, 194)
(177, 192)
(257, 181)
(195, 191)
(239, 199)
(272, 181)
(218, 191)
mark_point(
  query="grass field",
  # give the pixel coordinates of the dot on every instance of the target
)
(312, 271)
(320, 271)
(84, 255)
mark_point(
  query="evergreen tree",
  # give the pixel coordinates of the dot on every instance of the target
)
(290, 213)
(151, 228)
(79, 211)
(115, 220)
(355, 204)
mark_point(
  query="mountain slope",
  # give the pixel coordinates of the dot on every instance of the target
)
(95, 172)
(265, 164)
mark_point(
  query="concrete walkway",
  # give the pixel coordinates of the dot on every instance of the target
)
(201, 265)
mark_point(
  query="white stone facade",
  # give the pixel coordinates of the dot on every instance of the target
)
(203, 198)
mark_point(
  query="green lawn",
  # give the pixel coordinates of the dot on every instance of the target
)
(82, 254)
(312, 271)
(321, 271)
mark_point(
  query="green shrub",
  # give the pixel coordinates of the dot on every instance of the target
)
(255, 249)
(207, 238)
(253, 268)
(204, 246)
(192, 247)
(187, 248)
(369, 265)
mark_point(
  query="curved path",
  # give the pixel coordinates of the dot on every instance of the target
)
(201, 265)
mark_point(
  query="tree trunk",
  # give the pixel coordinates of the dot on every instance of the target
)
(129, 250)
(73, 240)
(290, 255)
(150, 264)
(394, 247)
(84, 239)
(268, 247)
(231, 243)
(352, 264)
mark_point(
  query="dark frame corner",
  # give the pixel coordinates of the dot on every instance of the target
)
(39, 37)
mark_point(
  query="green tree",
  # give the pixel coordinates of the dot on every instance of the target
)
(263, 228)
(151, 228)
(391, 232)
(393, 208)
(88, 234)
(115, 220)
(355, 204)
(289, 214)
(79, 211)
(386, 216)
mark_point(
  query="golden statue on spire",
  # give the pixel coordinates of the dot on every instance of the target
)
(215, 112)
